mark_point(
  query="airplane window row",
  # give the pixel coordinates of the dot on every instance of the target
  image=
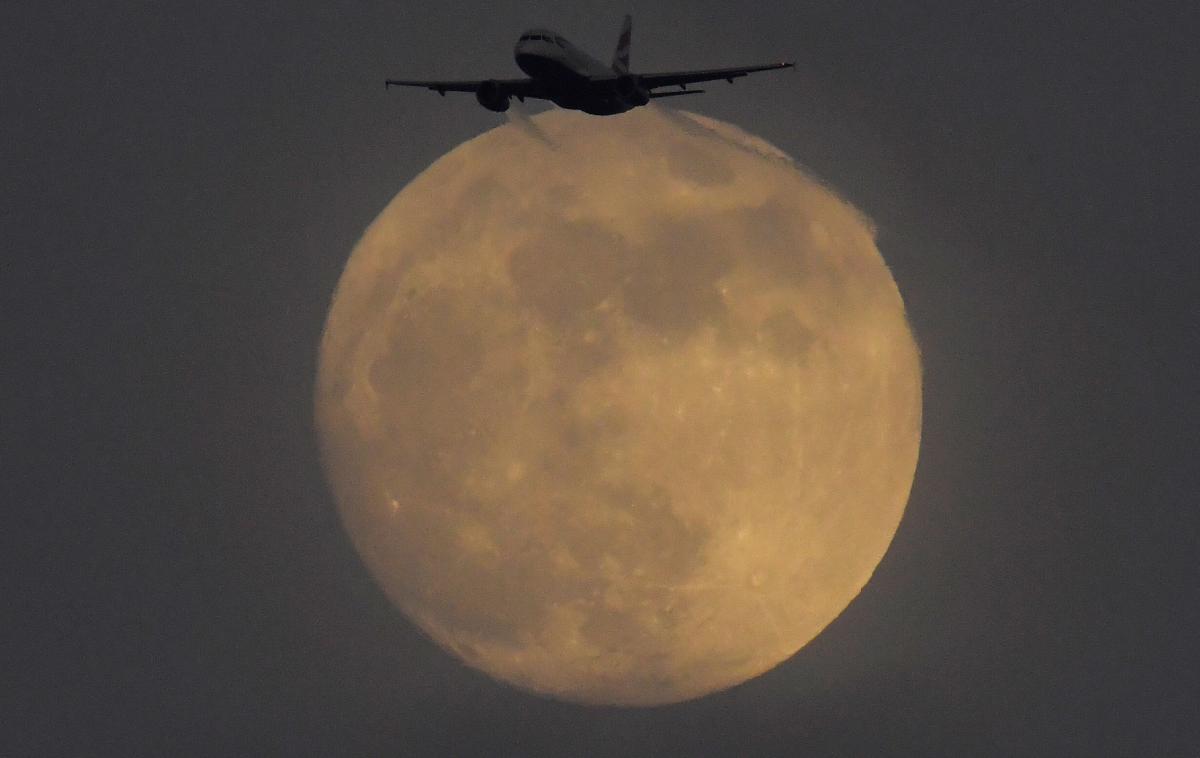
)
(553, 40)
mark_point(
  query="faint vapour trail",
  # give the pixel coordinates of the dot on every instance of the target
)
(518, 116)
(693, 124)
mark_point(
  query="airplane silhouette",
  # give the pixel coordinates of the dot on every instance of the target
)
(570, 78)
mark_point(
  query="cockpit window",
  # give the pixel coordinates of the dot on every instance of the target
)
(558, 41)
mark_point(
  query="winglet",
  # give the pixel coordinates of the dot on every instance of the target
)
(620, 61)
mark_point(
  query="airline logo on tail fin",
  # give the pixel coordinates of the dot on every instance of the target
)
(620, 62)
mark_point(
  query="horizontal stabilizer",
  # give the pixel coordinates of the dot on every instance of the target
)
(677, 93)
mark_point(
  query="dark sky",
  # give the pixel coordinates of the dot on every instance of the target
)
(182, 183)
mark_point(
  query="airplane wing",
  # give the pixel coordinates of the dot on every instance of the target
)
(681, 78)
(519, 88)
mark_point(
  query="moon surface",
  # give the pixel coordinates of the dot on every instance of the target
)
(619, 410)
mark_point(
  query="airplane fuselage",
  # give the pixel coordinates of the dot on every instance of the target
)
(567, 73)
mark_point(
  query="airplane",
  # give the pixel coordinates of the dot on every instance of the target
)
(570, 78)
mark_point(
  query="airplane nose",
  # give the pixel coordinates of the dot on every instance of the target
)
(530, 64)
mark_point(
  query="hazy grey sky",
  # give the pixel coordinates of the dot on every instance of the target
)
(182, 184)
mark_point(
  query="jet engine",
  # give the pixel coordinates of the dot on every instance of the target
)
(492, 96)
(630, 91)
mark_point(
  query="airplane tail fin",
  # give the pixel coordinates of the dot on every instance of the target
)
(620, 61)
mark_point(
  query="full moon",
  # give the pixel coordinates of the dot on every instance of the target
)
(619, 410)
